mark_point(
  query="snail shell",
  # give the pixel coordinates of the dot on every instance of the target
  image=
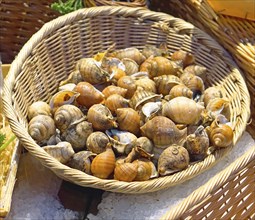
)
(68, 86)
(128, 120)
(197, 144)
(89, 95)
(103, 164)
(219, 106)
(63, 151)
(131, 66)
(41, 128)
(147, 84)
(141, 97)
(145, 170)
(77, 134)
(150, 110)
(212, 93)
(110, 90)
(116, 74)
(110, 63)
(82, 161)
(183, 56)
(182, 110)
(157, 66)
(65, 115)
(145, 143)
(122, 141)
(97, 142)
(180, 90)
(127, 82)
(197, 70)
(91, 71)
(101, 117)
(150, 50)
(131, 53)
(38, 108)
(165, 83)
(63, 98)
(125, 172)
(173, 159)
(162, 131)
(74, 77)
(115, 101)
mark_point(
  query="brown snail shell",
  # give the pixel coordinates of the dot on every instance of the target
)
(110, 90)
(68, 87)
(151, 50)
(197, 144)
(180, 90)
(38, 108)
(110, 63)
(127, 82)
(91, 71)
(74, 77)
(131, 66)
(63, 98)
(193, 82)
(173, 159)
(65, 115)
(141, 97)
(131, 53)
(212, 93)
(82, 161)
(97, 142)
(115, 101)
(163, 131)
(101, 117)
(185, 57)
(125, 172)
(128, 120)
(122, 141)
(116, 74)
(145, 170)
(89, 95)
(145, 143)
(77, 134)
(197, 70)
(165, 83)
(147, 84)
(63, 151)
(182, 110)
(41, 128)
(104, 163)
(219, 106)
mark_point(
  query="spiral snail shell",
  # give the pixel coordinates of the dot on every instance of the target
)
(110, 90)
(97, 142)
(115, 101)
(127, 82)
(41, 128)
(131, 66)
(186, 57)
(212, 93)
(180, 90)
(38, 108)
(145, 143)
(145, 170)
(125, 171)
(146, 83)
(74, 77)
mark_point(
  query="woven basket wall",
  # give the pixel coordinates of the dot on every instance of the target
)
(235, 34)
(228, 195)
(133, 3)
(19, 20)
(50, 55)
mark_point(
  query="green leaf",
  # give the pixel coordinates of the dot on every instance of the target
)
(2, 139)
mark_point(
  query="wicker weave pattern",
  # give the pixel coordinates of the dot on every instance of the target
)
(133, 3)
(228, 195)
(50, 54)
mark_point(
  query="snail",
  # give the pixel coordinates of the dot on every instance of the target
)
(68, 87)
(110, 90)
(89, 95)
(77, 133)
(91, 71)
(173, 159)
(103, 164)
(97, 142)
(219, 106)
(125, 171)
(63, 151)
(151, 50)
(82, 161)
(131, 66)
(74, 77)
(115, 101)
(128, 120)
(127, 82)
(145, 143)
(38, 108)
(212, 93)
(182, 110)
(146, 83)
(185, 57)
(41, 128)
(180, 90)
(145, 170)
(197, 70)
(150, 110)
(101, 117)
(65, 115)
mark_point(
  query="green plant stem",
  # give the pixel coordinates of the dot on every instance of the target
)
(13, 137)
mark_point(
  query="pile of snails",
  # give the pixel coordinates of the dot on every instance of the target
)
(133, 115)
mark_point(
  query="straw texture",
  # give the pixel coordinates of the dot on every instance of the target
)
(235, 34)
(49, 56)
(133, 3)
(228, 195)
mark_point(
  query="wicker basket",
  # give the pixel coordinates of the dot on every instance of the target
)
(235, 34)
(228, 195)
(133, 3)
(19, 20)
(49, 56)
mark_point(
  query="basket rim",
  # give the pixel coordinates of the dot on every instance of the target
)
(80, 177)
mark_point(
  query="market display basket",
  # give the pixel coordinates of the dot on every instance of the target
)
(132, 3)
(49, 56)
(236, 34)
(228, 195)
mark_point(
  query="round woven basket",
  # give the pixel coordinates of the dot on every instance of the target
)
(50, 55)
(133, 3)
